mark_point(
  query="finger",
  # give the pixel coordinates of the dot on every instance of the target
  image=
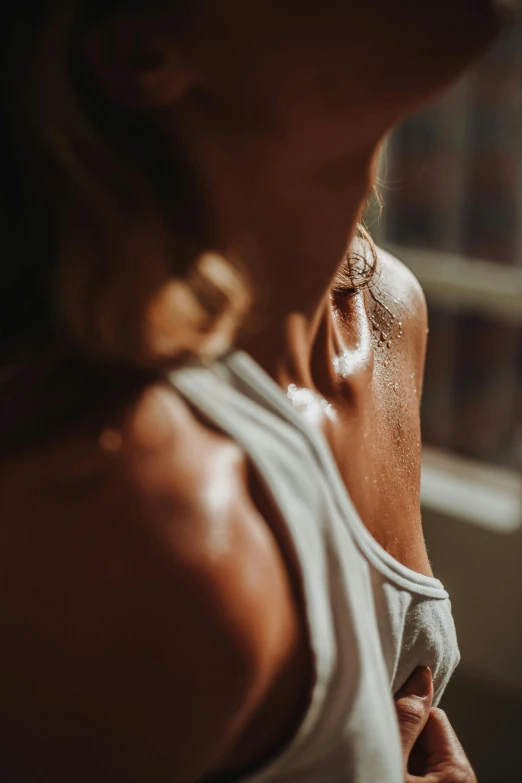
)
(440, 745)
(413, 704)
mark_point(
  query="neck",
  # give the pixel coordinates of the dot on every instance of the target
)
(284, 347)
(285, 207)
(293, 281)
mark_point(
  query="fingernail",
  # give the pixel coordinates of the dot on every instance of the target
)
(418, 683)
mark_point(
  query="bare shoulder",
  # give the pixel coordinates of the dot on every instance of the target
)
(398, 307)
(163, 449)
(396, 282)
(183, 611)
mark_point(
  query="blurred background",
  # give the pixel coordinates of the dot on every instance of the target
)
(452, 189)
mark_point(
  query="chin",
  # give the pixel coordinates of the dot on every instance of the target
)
(436, 40)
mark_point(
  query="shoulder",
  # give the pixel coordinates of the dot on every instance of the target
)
(225, 587)
(171, 555)
(398, 283)
(397, 301)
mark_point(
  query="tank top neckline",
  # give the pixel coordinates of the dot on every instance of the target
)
(248, 371)
(215, 388)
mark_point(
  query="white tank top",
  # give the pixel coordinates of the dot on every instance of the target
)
(371, 620)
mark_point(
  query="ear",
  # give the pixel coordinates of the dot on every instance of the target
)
(138, 61)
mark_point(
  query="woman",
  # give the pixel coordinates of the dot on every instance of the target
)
(188, 590)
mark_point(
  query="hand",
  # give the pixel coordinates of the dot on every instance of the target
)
(431, 749)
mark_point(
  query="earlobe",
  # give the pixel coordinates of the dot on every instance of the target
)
(137, 65)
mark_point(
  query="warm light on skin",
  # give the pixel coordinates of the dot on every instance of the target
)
(310, 404)
(355, 360)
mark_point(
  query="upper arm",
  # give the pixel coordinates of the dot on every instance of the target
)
(216, 615)
(165, 613)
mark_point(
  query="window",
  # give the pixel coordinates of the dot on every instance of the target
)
(453, 211)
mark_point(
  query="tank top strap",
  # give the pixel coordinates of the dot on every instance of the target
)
(281, 458)
(262, 387)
